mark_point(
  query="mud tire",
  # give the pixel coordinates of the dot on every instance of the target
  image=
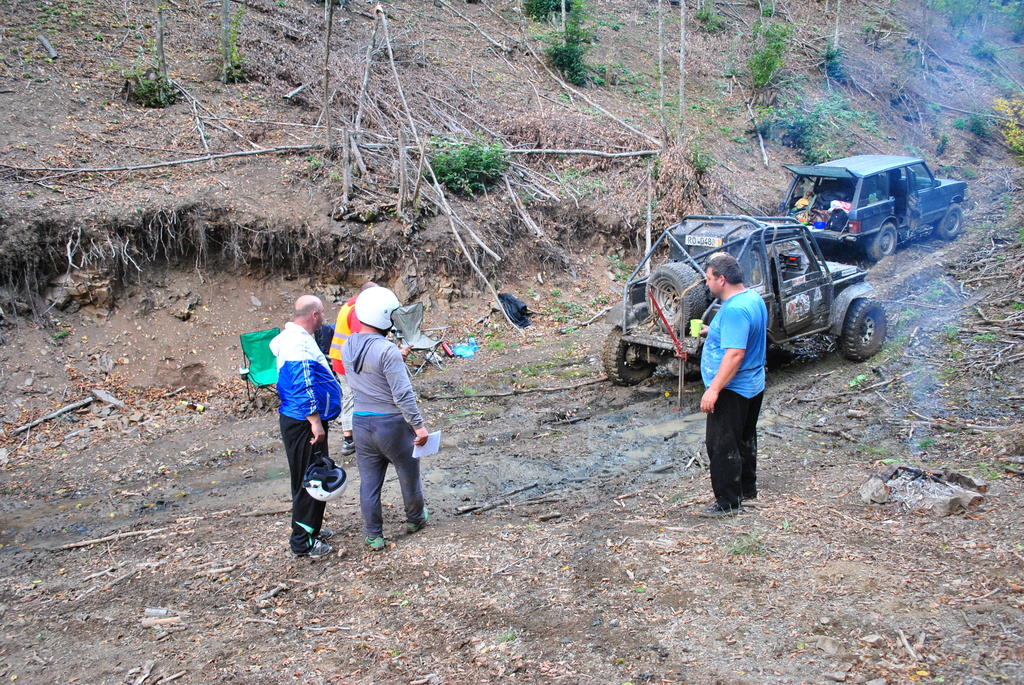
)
(863, 330)
(685, 295)
(883, 243)
(951, 224)
(617, 362)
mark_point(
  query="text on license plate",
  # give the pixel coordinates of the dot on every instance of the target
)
(703, 241)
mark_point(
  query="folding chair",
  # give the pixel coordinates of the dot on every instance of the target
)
(260, 370)
(407, 322)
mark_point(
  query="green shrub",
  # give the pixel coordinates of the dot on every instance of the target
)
(540, 9)
(568, 54)
(234, 70)
(468, 168)
(701, 161)
(978, 125)
(766, 62)
(941, 146)
(709, 20)
(833, 65)
(151, 88)
(960, 124)
(983, 51)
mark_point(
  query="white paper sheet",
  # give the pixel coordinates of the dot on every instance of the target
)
(432, 446)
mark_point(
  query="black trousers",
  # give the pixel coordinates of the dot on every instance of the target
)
(732, 447)
(307, 513)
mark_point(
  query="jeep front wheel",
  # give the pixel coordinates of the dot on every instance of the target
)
(863, 330)
(883, 243)
(624, 362)
(948, 227)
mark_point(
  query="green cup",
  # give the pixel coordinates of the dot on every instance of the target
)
(695, 326)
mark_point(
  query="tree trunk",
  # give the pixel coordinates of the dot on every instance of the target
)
(225, 39)
(682, 66)
(661, 76)
(402, 181)
(329, 10)
(160, 41)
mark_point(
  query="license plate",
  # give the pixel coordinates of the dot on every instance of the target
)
(703, 241)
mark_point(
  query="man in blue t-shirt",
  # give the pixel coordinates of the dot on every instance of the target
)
(732, 365)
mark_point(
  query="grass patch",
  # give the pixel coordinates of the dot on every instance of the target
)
(508, 635)
(750, 544)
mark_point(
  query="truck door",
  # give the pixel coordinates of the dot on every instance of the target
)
(803, 294)
(922, 190)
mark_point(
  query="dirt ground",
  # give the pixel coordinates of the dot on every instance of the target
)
(585, 563)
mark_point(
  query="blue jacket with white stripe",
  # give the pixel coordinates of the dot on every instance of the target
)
(305, 381)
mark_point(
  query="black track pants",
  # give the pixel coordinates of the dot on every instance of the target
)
(307, 513)
(732, 447)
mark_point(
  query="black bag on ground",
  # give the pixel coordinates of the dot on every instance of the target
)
(515, 308)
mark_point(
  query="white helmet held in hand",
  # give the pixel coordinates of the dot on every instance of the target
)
(374, 307)
(324, 480)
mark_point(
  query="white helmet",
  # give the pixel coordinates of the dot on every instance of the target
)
(374, 307)
(324, 481)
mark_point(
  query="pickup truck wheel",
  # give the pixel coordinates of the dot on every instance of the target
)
(863, 330)
(949, 226)
(624, 362)
(681, 293)
(883, 244)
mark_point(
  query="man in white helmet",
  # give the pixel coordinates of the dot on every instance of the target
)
(386, 420)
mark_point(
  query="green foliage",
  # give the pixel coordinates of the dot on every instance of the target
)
(569, 52)
(941, 146)
(833, 65)
(152, 89)
(767, 60)
(960, 124)
(234, 70)
(960, 12)
(817, 132)
(508, 635)
(709, 20)
(540, 9)
(857, 380)
(701, 161)
(983, 51)
(750, 544)
(978, 125)
(468, 168)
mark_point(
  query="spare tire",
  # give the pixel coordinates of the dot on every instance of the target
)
(681, 294)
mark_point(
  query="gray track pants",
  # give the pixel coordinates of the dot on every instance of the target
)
(382, 440)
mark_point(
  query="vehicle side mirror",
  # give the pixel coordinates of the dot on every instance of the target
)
(935, 183)
(782, 209)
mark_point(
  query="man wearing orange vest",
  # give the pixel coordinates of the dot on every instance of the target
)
(346, 325)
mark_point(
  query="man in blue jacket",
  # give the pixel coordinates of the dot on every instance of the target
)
(732, 364)
(310, 397)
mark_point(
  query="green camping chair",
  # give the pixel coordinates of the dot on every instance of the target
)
(260, 370)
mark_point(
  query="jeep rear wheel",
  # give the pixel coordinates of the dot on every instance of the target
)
(680, 292)
(948, 227)
(882, 243)
(624, 362)
(863, 330)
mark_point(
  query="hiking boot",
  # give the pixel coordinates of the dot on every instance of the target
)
(325, 534)
(413, 527)
(318, 550)
(750, 495)
(715, 511)
(375, 544)
(348, 447)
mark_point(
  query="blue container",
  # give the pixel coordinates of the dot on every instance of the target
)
(819, 225)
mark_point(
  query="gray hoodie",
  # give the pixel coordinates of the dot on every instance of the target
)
(378, 377)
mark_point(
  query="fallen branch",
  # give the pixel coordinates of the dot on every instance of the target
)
(159, 165)
(267, 512)
(589, 321)
(63, 410)
(111, 538)
(474, 25)
(516, 391)
(592, 153)
(46, 44)
(278, 589)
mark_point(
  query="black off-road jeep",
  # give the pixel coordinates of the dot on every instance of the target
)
(805, 295)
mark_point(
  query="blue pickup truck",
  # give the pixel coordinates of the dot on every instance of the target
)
(874, 201)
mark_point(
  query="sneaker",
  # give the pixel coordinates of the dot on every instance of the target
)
(318, 550)
(750, 495)
(715, 511)
(325, 534)
(375, 544)
(413, 527)
(348, 447)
